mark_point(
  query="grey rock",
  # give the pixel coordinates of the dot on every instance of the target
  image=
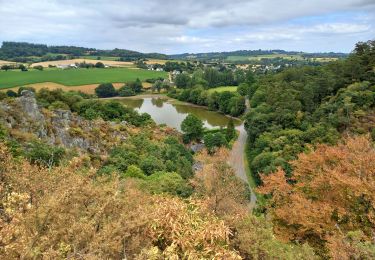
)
(197, 147)
(197, 166)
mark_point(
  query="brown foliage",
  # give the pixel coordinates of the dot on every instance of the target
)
(224, 193)
(331, 193)
(66, 212)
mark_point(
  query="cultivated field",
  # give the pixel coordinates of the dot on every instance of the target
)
(108, 58)
(75, 77)
(73, 61)
(4, 62)
(222, 89)
(156, 61)
(88, 89)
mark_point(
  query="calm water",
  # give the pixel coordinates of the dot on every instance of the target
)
(166, 112)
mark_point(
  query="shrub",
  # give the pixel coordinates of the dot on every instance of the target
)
(126, 91)
(43, 154)
(106, 90)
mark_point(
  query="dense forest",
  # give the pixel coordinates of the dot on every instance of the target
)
(309, 105)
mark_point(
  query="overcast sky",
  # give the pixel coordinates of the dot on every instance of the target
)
(177, 26)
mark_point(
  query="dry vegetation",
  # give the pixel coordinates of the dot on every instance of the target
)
(69, 212)
(329, 201)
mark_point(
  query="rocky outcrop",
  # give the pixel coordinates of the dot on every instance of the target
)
(59, 127)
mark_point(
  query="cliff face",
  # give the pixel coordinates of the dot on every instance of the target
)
(22, 116)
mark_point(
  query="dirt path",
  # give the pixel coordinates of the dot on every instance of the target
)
(237, 160)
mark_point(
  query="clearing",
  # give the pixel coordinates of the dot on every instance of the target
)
(75, 77)
(222, 89)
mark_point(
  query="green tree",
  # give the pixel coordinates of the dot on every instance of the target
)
(214, 140)
(182, 80)
(126, 91)
(136, 85)
(157, 85)
(106, 90)
(230, 132)
(151, 164)
(99, 65)
(243, 89)
(192, 127)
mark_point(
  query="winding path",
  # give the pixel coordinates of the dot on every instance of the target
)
(237, 160)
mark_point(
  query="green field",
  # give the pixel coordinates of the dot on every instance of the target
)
(221, 89)
(75, 77)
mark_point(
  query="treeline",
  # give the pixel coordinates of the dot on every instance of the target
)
(214, 77)
(225, 55)
(305, 106)
(226, 102)
(19, 51)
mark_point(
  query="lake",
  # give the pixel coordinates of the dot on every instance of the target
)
(172, 113)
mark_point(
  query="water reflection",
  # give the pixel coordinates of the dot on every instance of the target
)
(164, 112)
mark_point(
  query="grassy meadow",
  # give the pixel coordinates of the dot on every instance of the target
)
(75, 77)
(222, 89)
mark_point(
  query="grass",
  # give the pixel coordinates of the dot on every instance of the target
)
(75, 77)
(222, 89)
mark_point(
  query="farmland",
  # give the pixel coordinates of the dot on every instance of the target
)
(111, 63)
(75, 77)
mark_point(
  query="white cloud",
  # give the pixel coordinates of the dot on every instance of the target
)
(186, 25)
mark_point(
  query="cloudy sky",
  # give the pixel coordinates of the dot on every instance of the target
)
(177, 26)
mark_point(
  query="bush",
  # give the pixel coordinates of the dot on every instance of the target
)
(106, 90)
(11, 93)
(58, 105)
(43, 154)
(167, 182)
(126, 91)
(151, 164)
(20, 89)
(134, 172)
(99, 65)
(136, 86)
(214, 140)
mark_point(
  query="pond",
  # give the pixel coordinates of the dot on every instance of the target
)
(172, 113)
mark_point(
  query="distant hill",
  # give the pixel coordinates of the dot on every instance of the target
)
(24, 52)
(30, 52)
(255, 53)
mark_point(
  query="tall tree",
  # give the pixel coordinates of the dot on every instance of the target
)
(192, 127)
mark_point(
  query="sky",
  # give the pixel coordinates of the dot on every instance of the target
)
(191, 26)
